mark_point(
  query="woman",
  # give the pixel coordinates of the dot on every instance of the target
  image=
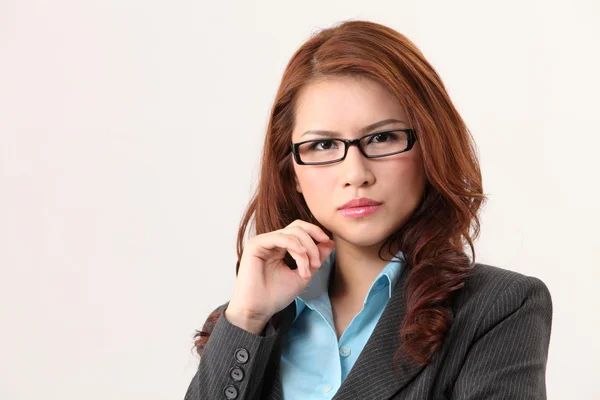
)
(356, 284)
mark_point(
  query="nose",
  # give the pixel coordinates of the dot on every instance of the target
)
(355, 169)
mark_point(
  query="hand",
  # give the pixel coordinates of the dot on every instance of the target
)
(265, 285)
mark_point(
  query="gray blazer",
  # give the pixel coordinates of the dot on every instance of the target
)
(496, 348)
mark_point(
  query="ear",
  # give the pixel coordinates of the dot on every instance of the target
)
(298, 188)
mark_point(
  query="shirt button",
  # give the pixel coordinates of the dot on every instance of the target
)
(344, 351)
(241, 355)
(326, 388)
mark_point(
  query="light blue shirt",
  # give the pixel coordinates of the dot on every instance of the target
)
(313, 363)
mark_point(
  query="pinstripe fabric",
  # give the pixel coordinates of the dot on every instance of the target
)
(496, 348)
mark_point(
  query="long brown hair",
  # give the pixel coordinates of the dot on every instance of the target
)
(434, 237)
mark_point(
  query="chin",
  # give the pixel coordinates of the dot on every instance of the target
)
(360, 236)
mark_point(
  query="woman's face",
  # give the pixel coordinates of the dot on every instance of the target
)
(346, 105)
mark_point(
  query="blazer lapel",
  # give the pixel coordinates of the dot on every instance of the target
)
(373, 375)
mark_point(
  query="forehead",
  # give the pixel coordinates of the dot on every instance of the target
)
(343, 104)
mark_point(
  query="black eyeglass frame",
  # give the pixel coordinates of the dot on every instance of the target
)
(411, 137)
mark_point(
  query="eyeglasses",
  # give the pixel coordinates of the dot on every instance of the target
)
(374, 145)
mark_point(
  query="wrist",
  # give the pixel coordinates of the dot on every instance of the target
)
(252, 323)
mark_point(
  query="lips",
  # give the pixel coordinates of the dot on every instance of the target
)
(362, 202)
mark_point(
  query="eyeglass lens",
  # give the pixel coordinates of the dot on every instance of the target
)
(378, 144)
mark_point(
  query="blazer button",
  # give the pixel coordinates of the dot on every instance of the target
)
(241, 355)
(230, 392)
(237, 374)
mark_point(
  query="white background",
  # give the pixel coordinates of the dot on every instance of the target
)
(119, 207)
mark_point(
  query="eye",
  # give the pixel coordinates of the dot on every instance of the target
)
(327, 144)
(383, 137)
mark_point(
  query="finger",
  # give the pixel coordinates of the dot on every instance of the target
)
(276, 239)
(308, 242)
(303, 259)
(325, 249)
(293, 245)
(302, 262)
(313, 230)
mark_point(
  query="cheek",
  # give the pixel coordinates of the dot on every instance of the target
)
(407, 178)
(316, 184)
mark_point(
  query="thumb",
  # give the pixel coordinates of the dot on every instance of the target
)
(325, 249)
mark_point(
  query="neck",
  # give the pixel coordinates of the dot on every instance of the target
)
(355, 270)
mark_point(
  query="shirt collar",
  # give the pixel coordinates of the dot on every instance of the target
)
(319, 283)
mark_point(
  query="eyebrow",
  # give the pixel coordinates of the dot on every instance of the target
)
(364, 130)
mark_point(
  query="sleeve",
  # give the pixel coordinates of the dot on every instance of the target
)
(507, 359)
(232, 364)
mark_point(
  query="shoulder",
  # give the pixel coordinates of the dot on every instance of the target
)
(486, 282)
(498, 341)
(492, 293)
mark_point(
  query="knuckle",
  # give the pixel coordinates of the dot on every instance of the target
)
(295, 232)
(298, 229)
(295, 240)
